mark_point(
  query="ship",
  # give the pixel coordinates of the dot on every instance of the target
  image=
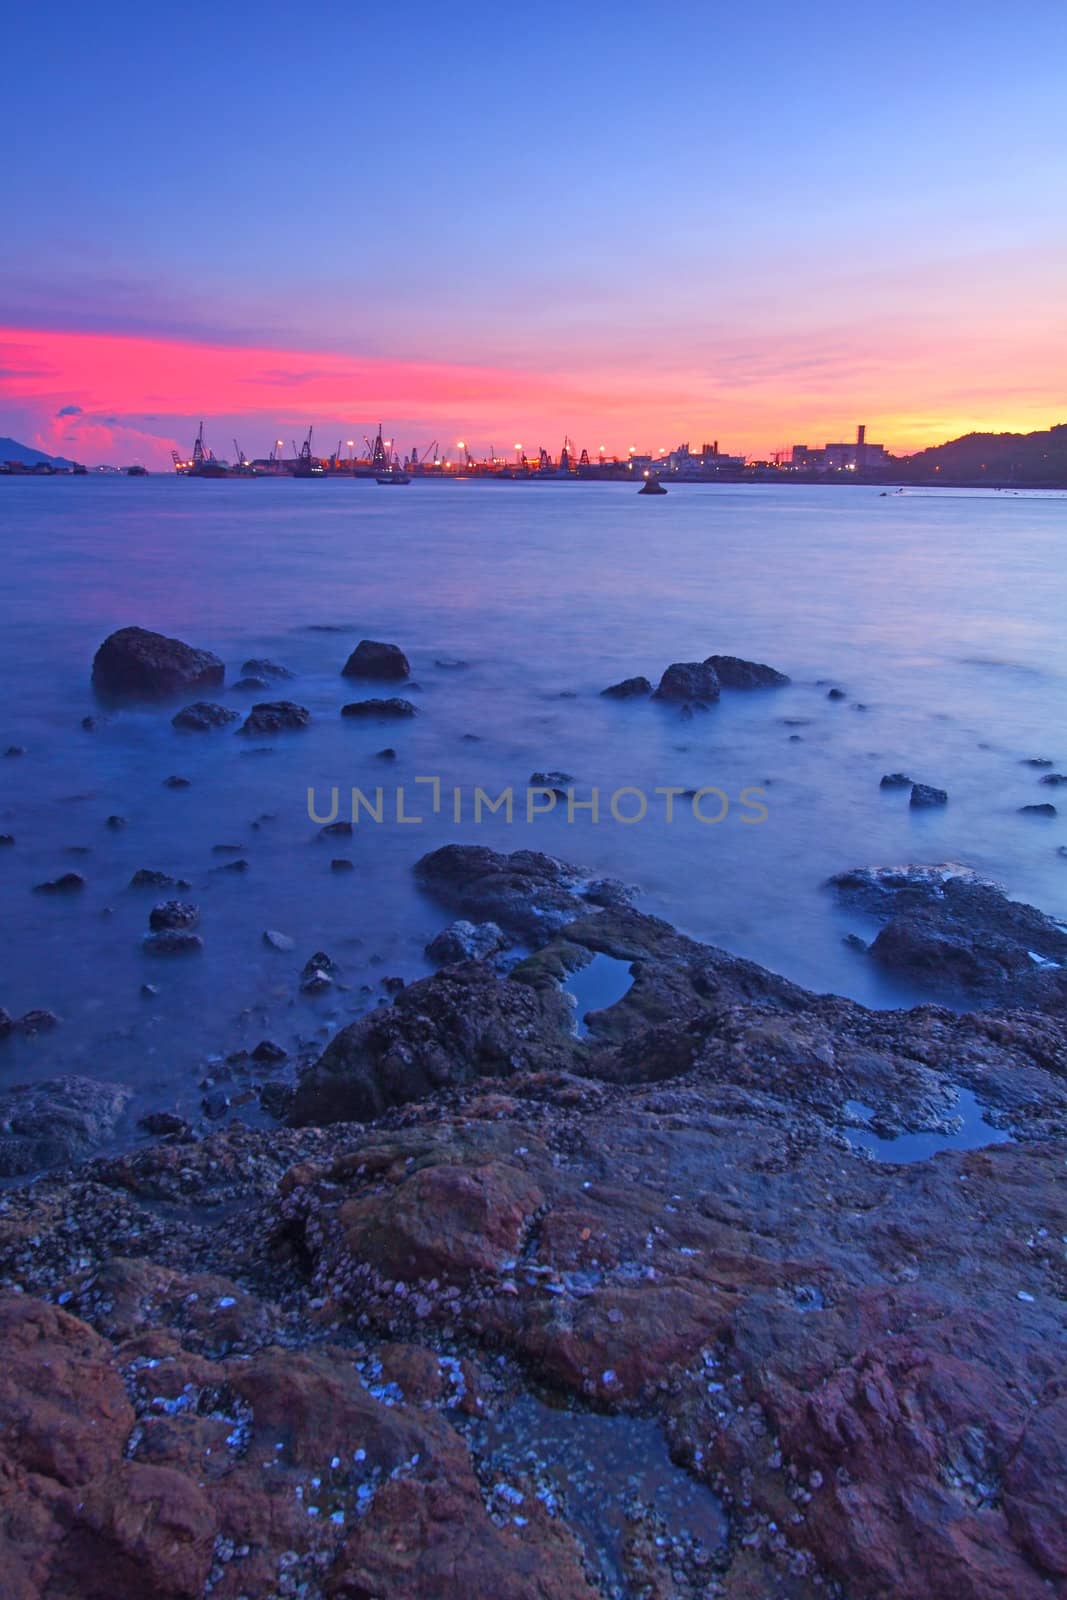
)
(203, 463)
(394, 475)
(652, 486)
(306, 465)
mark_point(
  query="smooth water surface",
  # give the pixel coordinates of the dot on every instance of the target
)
(940, 615)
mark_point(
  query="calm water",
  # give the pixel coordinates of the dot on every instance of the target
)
(942, 615)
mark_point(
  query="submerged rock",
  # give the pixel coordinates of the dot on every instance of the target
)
(275, 716)
(60, 1120)
(689, 681)
(372, 659)
(137, 664)
(896, 780)
(203, 716)
(148, 878)
(628, 689)
(278, 941)
(68, 883)
(259, 667)
(924, 796)
(1045, 809)
(394, 707)
(735, 673)
(172, 942)
(318, 974)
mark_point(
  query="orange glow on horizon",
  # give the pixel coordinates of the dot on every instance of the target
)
(99, 395)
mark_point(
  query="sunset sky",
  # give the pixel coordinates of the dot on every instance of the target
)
(630, 224)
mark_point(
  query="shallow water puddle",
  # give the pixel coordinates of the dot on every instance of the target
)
(598, 1471)
(973, 1133)
(599, 984)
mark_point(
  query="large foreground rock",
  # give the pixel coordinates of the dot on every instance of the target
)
(442, 1032)
(58, 1121)
(137, 664)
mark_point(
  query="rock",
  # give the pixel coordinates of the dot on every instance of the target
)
(6, 839)
(136, 664)
(278, 941)
(173, 914)
(60, 1120)
(260, 667)
(526, 892)
(37, 1021)
(203, 715)
(172, 942)
(68, 883)
(1046, 809)
(460, 1024)
(342, 864)
(388, 754)
(90, 724)
(836, 694)
(251, 684)
(275, 717)
(450, 663)
(318, 973)
(896, 780)
(689, 681)
(216, 1103)
(924, 795)
(466, 941)
(1054, 778)
(554, 779)
(175, 782)
(370, 659)
(393, 707)
(1036, 761)
(628, 689)
(336, 830)
(165, 1125)
(149, 990)
(148, 878)
(267, 1050)
(15, 750)
(952, 931)
(7, 1023)
(735, 673)
(115, 823)
(240, 865)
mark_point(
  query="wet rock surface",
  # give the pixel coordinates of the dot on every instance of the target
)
(136, 664)
(735, 673)
(689, 681)
(632, 1314)
(959, 934)
(393, 707)
(628, 689)
(372, 659)
(202, 716)
(276, 716)
(58, 1121)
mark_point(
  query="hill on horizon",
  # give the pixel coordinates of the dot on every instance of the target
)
(1022, 458)
(11, 450)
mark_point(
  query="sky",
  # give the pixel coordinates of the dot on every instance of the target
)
(633, 225)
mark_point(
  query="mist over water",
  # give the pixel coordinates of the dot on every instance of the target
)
(942, 615)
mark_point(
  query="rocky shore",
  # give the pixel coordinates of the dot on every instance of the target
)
(725, 1289)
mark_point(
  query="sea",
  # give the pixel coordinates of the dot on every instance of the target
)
(940, 615)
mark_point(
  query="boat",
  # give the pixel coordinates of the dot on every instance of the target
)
(652, 486)
(393, 477)
(137, 471)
